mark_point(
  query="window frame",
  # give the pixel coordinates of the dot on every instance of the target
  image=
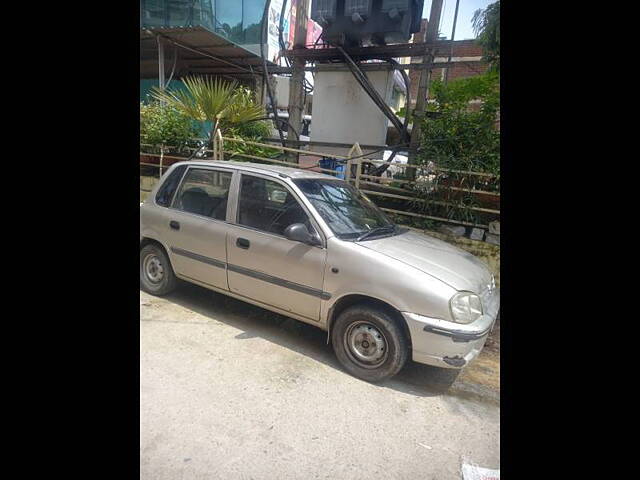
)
(163, 179)
(230, 197)
(236, 213)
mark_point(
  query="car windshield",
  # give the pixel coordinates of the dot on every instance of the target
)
(348, 212)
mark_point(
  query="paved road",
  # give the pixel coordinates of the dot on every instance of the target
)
(231, 391)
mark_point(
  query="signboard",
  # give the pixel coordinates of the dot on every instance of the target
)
(288, 31)
(313, 33)
(273, 19)
(273, 43)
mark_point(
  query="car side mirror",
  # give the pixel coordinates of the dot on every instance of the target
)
(298, 232)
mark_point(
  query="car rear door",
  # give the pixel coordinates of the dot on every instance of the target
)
(197, 225)
(265, 266)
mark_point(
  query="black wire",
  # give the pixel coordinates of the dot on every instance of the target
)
(265, 72)
(175, 61)
(407, 83)
(365, 83)
(280, 29)
(307, 87)
(279, 120)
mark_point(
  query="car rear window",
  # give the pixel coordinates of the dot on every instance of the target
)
(204, 192)
(169, 186)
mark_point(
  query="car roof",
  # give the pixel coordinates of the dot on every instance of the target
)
(264, 168)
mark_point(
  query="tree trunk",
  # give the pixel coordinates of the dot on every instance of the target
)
(213, 138)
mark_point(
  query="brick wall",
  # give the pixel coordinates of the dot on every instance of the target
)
(461, 48)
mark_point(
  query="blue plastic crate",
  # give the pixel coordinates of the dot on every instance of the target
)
(333, 164)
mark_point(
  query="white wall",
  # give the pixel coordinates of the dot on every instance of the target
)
(282, 91)
(343, 112)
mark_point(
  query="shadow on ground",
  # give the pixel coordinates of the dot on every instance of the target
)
(414, 378)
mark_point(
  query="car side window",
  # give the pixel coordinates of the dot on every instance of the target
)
(204, 192)
(169, 186)
(268, 206)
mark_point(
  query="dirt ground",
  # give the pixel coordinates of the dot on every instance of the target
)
(229, 390)
(484, 371)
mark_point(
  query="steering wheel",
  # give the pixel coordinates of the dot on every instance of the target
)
(283, 212)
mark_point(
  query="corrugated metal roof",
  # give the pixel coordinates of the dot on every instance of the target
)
(200, 51)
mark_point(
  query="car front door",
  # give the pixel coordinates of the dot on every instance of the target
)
(265, 266)
(197, 227)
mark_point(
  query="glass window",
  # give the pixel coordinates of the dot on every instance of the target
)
(169, 186)
(238, 20)
(152, 13)
(269, 206)
(204, 192)
(346, 210)
(229, 19)
(252, 12)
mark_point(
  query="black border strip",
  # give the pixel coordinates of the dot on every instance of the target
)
(200, 258)
(254, 274)
(457, 336)
(279, 281)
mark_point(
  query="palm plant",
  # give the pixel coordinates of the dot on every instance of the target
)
(212, 100)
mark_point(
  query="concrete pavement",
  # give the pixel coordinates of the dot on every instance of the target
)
(229, 390)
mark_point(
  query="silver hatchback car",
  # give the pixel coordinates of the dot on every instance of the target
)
(314, 248)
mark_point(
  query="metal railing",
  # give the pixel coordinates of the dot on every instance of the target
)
(404, 194)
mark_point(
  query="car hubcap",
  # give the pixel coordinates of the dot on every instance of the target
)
(153, 269)
(366, 344)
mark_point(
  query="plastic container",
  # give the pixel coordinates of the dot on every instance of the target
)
(333, 164)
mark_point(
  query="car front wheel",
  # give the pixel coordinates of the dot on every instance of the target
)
(369, 343)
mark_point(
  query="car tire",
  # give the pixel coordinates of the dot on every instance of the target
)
(156, 273)
(369, 343)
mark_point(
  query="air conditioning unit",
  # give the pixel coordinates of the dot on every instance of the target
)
(365, 22)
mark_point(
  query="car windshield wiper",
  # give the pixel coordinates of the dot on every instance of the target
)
(373, 231)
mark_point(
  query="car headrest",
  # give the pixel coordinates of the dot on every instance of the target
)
(196, 200)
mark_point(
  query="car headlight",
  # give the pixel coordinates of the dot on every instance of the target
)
(466, 307)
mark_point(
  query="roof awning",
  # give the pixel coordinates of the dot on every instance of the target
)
(199, 51)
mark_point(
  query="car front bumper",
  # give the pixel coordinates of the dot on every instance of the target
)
(448, 344)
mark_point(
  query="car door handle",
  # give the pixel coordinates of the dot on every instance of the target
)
(243, 243)
(175, 225)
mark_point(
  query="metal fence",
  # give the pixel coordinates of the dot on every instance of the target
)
(430, 194)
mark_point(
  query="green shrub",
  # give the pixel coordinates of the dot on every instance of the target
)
(457, 137)
(164, 125)
(255, 132)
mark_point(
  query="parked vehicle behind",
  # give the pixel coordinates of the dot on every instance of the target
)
(314, 248)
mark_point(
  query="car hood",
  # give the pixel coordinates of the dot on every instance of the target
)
(453, 266)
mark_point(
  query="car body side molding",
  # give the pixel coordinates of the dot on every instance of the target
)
(253, 273)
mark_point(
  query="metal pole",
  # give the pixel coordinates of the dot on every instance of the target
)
(354, 151)
(160, 62)
(296, 83)
(423, 85)
(453, 36)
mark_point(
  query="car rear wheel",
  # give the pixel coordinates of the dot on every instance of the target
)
(156, 274)
(369, 343)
